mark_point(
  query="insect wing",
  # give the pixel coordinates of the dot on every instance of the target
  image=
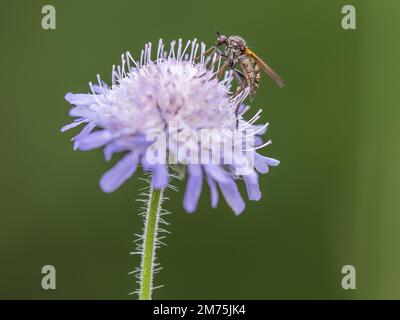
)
(267, 69)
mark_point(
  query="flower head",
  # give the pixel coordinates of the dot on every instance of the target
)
(173, 110)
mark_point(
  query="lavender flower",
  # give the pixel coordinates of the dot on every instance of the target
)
(172, 93)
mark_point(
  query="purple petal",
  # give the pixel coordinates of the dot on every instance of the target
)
(121, 172)
(136, 143)
(242, 165)
(113, 147)
(258, 141)
(85, 131)
(72, 125)
(253, 189)
(232, 196)
(83, 112)
(242, 107)
(217, 173)
(260, 129)
(79, 99)
(193, 187)
(228, 187)
(94, 140)
(116, 146)
(213, 190)
(100, 89)
(159, 176)
(262, 163)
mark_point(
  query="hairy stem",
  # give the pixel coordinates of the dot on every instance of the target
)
(149, 244)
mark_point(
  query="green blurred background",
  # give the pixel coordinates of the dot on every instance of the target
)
(333, 200)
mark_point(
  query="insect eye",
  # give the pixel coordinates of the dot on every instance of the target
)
(221, 39)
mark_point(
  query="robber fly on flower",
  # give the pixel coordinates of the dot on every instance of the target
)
(237, 54)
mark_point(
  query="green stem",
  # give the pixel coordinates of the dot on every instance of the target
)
(149, 243)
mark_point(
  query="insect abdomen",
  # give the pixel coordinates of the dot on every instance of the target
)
(258, 74)
(251, 73)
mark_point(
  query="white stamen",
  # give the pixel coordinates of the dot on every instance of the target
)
(258, 130)
(259, 147)
(184, 50)
(172, 50)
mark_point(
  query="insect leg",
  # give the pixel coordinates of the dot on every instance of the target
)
(222, 69)
(220, 52)
(211, 49)
(239, 76)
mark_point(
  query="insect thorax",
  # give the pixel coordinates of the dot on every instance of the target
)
(235, 46)
(236, 42)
